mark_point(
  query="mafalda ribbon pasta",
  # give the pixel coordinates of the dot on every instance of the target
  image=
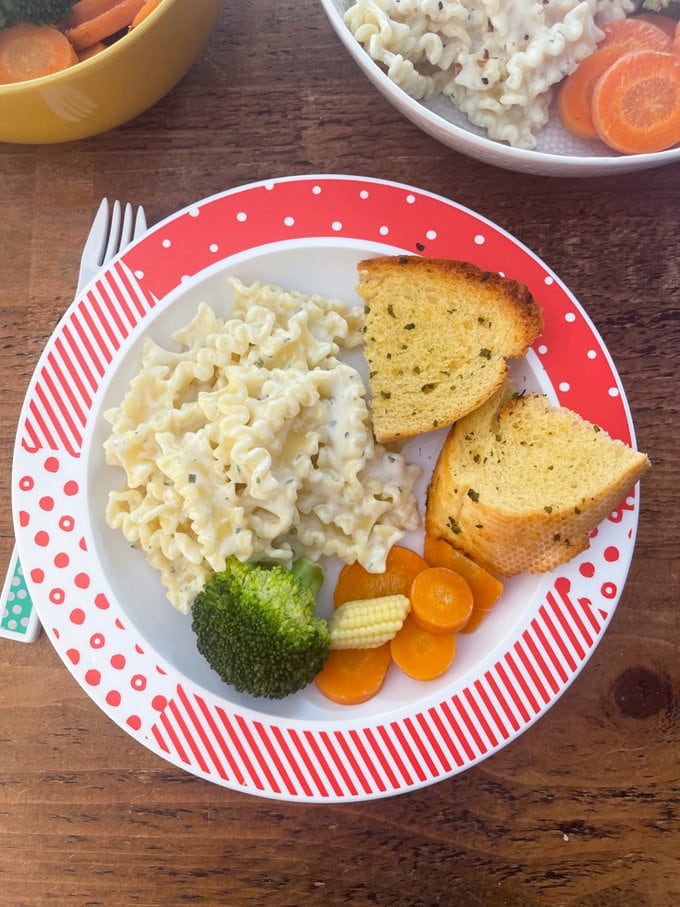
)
(253, 438)
(495, 60)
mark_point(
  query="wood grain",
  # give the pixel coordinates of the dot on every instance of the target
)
(582, 809)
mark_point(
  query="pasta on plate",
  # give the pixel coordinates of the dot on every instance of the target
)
(254, 439)
(496, 60)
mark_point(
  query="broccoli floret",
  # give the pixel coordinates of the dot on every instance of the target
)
(39, 12)
(255, 626)
(309, 573)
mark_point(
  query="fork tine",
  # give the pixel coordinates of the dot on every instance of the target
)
(140, 223)
(106, 237)
(100, 229)
(113, 244)
(95, 245)
(126, 228)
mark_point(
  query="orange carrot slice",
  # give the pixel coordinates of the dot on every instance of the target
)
(575, 95)
(420, 654)
(88, 52)
(31, 51)
(636, 103)
(658, 20)
(352, 676)
(634, 34)
(486, 588)
(477, 617)
(105, 24)
(441, 600)
(145, 12)
(355, 582)
(84, 10)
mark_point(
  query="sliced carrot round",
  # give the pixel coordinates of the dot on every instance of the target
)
(145, 12)
(116, 15)
(92, 51)
(476, 618)
(575, 95)
(85, 10)
(31, 51)
(441, 600)
(486, 588)
(420, 654)
(401, 565)
(634, 34)
(636, 103)
(352, 676)
(659, 20)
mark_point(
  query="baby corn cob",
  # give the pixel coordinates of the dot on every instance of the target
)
(368, 622)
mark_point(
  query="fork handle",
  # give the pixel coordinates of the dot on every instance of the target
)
(18, 618)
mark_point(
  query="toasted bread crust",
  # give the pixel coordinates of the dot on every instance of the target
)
(437, 336)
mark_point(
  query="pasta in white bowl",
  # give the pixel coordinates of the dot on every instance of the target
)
(253, 439)
(480, 75)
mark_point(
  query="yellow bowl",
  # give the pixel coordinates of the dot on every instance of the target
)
(114, 86)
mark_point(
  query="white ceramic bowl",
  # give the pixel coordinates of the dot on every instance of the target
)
(557, 153)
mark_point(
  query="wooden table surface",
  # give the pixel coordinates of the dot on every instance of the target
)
(582, 809)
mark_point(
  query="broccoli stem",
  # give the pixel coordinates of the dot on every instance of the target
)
(309, 573)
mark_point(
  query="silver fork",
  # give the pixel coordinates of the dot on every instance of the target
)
(113, 228)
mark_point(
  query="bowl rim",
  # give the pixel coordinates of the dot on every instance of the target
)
(483, 147)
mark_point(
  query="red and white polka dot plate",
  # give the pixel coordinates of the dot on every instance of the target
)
(104, 609)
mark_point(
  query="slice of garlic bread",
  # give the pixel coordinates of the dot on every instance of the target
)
(437, 336)
(520, 484)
